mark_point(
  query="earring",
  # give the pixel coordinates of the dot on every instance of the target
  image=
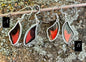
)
(31, 33)
(15, 33)
(67, 31)
(53, 31)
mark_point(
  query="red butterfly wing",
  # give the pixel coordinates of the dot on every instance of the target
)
(14, 34)
(53, 31)
(68, 33)
(30, 35)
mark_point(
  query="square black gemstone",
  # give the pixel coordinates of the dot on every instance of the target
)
(6, 22)
(78, 45)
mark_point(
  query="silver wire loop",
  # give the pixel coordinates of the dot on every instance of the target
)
(57, 17)
(72, 18)
(21, 19)
(25, 8)
(55, 14)
(63, 12)
(37, 21)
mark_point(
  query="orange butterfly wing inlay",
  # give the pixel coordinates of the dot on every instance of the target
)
(15, 37)
(67, 36)
(53, 34)
(29, 37)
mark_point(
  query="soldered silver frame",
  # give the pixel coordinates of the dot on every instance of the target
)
(57, 21)
(19, 34)
(29, 43)
(63, 33)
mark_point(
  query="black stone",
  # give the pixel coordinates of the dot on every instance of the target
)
(78, 45)
(6, 22)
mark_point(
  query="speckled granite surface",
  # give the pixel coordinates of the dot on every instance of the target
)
(43, 50)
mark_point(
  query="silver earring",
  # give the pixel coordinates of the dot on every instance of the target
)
(53, 31)
(67, 31)
(16, 32)
(31, 33)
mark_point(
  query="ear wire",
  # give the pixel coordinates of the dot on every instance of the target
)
(55, 15)
(37, 21)
(63, 12)
(21, 19)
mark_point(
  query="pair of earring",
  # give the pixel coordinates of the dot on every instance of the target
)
(31, 33)
(16, 32)
(67, 31)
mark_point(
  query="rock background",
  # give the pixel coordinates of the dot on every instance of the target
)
(43, 50)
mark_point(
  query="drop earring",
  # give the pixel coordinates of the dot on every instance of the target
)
(67, 31)
(53, 31)
(16, 32)
(31, 33)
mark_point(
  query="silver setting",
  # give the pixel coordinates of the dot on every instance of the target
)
(19, 34)
(57, 21)
(63, 33)
(27, 33)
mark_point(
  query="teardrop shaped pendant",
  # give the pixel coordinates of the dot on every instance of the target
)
(67, 33)
(15, 33)
(53, 31)
(30, 34)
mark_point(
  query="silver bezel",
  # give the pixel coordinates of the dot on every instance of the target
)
(19, 34)
(58, 30)
(27, 33)
(63, 33)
